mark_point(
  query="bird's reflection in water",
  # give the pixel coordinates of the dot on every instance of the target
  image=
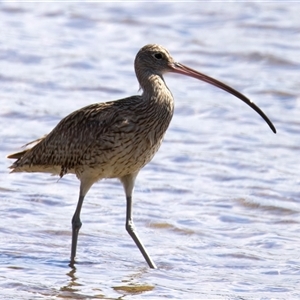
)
(71, 290)
(129, 286)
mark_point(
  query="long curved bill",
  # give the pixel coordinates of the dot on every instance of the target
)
(181, 69)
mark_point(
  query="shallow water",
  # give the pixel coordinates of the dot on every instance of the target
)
(217, 208)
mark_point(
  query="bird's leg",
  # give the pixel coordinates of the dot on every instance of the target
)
(131, 230)
(85, 185)
(128, 183)
(76, 225)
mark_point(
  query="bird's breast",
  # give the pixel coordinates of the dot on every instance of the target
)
(132, 141)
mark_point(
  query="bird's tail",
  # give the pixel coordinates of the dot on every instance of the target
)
(18, 155)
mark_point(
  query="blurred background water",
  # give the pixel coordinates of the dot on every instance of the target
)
(217, 208)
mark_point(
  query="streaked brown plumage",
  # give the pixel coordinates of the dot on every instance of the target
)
(114, 139)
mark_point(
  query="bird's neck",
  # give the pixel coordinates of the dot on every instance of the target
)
(158, 102)
(155, 89)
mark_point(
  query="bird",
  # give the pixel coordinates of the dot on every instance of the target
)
(115, 139)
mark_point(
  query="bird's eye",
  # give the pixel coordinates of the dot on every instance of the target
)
(158, 55)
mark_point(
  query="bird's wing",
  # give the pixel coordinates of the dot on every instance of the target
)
(75, 137)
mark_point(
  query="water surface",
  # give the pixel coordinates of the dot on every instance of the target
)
(217, 208)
